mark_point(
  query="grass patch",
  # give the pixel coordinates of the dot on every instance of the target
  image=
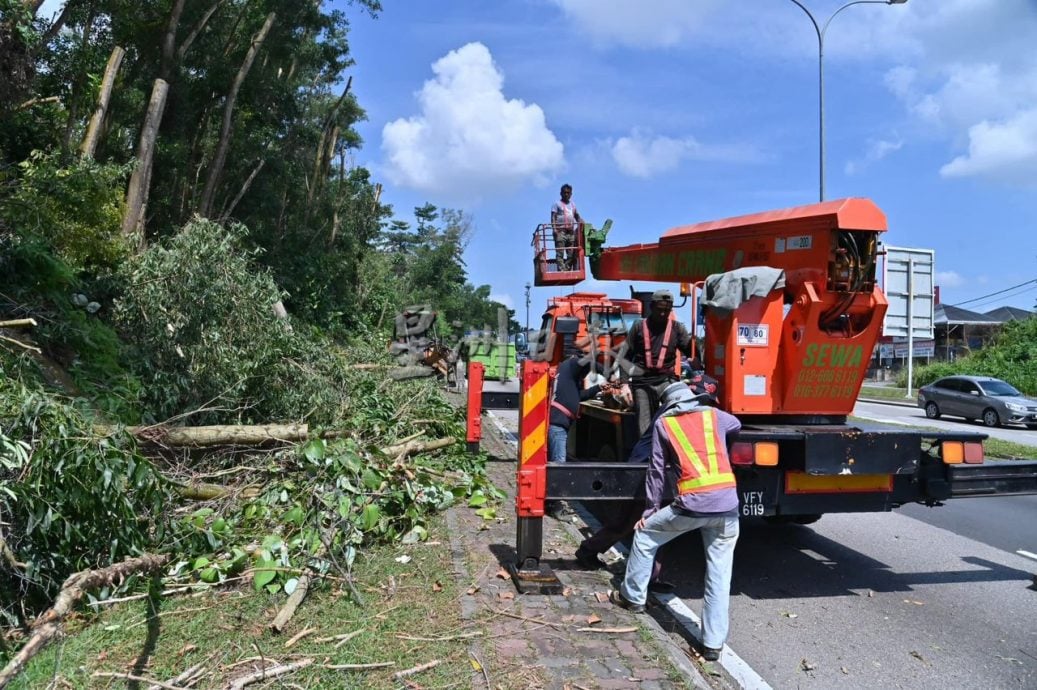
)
(219, 629)
(996, 448)
(887, 393)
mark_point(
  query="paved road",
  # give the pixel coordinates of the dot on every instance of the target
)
(920, 598)
(915, 416)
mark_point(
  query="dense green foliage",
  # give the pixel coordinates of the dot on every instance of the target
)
(167, 315)
(69, 499)
(1011, 357)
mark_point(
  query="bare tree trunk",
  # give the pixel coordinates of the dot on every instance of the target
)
(55, 27)
(77, 86)
(137, 194)
(169, 41)
(196, 29)
(244, 190)
(93, 131)
(216, 168)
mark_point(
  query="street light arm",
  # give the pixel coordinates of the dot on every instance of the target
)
(817, 29)
(824, 29)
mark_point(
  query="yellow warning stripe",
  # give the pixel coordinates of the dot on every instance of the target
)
(534, 441)
(535, 395)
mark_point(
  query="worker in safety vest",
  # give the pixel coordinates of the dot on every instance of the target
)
(690, 440)
(652, 347)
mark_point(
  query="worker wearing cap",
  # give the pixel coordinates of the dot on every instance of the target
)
(653, 344)
(690, 440)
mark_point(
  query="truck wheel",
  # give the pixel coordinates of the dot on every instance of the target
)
(1031, 426)
(932, 410)
(990, 417)
(806, 519)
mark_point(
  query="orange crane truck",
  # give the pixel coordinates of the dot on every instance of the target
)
(790, 356)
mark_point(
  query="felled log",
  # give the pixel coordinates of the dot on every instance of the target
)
(48, 625)
(405, 373)
(402, 450)
(218, 435)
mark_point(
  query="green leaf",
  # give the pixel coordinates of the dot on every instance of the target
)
(290, 585)
(416, 534)
(371, 479)
(209, 575)
(264, 574)
(476, 500)
(370, 517)
(487, 513)
(314, 449)
(295, 516)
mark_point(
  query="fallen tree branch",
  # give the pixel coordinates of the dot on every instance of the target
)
(139, 679)
(417, 669)
(18, 323)
(22, 345)
(412, 447)
(48, 625)
(359, 667)
(268, 673)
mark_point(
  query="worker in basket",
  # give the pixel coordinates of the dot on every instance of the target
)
(653, 344)
(565, 224)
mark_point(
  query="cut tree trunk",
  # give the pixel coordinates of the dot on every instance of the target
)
(216, 168)
(137, 194)
(219, 435)
(93, 130)
(402, 450)
(48, 625)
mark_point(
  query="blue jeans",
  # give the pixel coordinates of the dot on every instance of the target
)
(719, 535)
(557, 438)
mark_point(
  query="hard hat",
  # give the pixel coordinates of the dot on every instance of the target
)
(660, 295)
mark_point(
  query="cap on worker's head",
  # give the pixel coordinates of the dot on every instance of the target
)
(676, 394)
(660, 295)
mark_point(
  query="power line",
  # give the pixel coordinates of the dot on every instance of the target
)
(992, 294)
(1003, 298)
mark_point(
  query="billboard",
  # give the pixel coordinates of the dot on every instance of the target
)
(909, 284)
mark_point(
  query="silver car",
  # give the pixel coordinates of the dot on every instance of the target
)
(978, 397)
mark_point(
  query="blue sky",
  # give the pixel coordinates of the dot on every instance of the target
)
(667, 112)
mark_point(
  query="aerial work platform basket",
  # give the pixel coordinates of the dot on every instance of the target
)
(558, 255)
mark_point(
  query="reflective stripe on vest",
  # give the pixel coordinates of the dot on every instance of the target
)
(696, 475)
(648, 345)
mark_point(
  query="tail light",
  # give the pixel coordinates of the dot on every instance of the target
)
(762, 453)
(957, 452)
(741, 453)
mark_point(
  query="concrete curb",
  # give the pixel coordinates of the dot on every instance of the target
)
(886, 401)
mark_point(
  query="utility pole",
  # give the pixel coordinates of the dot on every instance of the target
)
(528, 286)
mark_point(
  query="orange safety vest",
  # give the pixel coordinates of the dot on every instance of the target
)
(658, 364)
(702, 452)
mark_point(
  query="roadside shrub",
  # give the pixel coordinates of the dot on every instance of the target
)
(1011, 357)
(70, 499)
(201, 314)
(74, 209)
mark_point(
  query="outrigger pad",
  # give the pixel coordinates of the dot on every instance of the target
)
(542, 581)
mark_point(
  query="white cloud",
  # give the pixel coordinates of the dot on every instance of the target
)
(648, 23)
(877, 150)
(504, 298)
(973, 81)
(644, 154)
(1004, 150)
(949, 279)
(468, 135)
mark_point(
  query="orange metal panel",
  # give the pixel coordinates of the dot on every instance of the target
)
(531, 479)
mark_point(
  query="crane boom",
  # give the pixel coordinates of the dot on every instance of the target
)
(801, 350)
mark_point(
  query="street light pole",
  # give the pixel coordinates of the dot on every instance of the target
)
(528, 286)
(821, 31)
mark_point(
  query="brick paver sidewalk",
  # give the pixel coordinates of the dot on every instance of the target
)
(562, 642)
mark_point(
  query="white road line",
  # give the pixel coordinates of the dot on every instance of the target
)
(508, 436)
(1027, 554)
(740, 671)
